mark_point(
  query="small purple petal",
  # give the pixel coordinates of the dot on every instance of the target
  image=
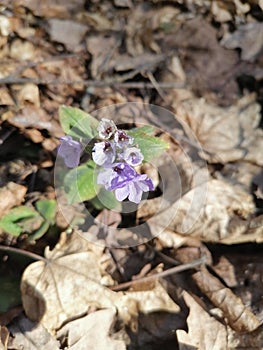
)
(122, 193)
(103, 153)
(135, 192)
(149, 183)
(70, 151)
(133, 156)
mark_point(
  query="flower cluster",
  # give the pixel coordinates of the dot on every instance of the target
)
(117, 155)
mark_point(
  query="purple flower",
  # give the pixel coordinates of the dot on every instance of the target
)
(122, 139)
(127, 183)
(70, 151)
(103, 153)
(106, 128)
(132, 156)
(105, 177)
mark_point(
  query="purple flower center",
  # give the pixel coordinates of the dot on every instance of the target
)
(109, 130)
(107, 146)
(123, 137)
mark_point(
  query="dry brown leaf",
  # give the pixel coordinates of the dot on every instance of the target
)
(10, 196)
(123, 3)
(226, 134)
(104, 50)
(249, 38)
(33, 117)
(238, 316)
(5, 98)
(70, 70)
(34, 135)
(220, 218)
(205, 62)
(5, 25)
(52, 8)
(258, 182)
(241, 7)
(241, 173)
(226, 270)
(28, 93)
(99, 21)
(63, 288)
(92, 332)
(30, 336)
(142, 23)
(141, 62)
(174, 72)
(22, 50)
(67, 32)
(4, 336)
(220, 11)
(253, 340)
(66, 286)
(204, 331)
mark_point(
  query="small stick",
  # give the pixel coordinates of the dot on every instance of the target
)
(22, 252)
(165, 273)
(92, 83)
(156, 85)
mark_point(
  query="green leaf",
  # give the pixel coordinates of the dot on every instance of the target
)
(47, 208)
(150, 146)
(77, 123)
(10, 222)
(146, 129)
(106, 199)
(21, 212)
(80, 183)
(39, 232)
(10, 227)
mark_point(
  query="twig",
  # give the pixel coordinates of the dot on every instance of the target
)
(165, 273)
(156, 85)
(164, 257)
(92, 83)
(22, 252)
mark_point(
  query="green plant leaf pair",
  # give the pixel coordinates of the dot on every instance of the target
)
(25, 219)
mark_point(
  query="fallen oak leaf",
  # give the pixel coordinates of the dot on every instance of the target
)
(63, 287)
(224, 215)
(204, 331)
(225, 134)
(54, 291)
(248, 37)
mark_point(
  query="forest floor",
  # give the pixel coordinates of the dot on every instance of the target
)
(191, 277)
